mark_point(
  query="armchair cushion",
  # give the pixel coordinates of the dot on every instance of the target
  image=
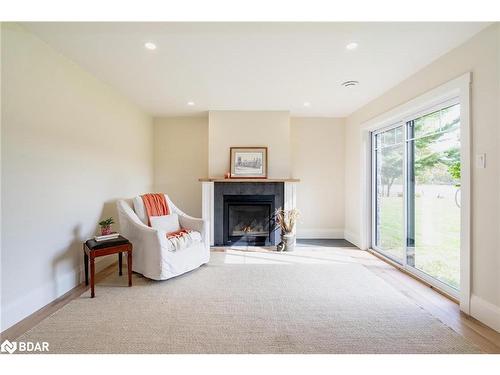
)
(167, 223)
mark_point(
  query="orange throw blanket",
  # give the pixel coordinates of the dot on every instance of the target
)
(156, 205)
(179, 233)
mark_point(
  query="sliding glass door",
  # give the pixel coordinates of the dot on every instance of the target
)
(416, 195)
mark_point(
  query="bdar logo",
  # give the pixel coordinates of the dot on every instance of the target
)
(9, 347)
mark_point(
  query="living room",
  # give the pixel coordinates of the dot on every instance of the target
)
(266, 195)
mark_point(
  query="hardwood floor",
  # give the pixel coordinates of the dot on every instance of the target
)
(440, 306)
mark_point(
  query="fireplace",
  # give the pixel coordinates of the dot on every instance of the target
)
(248, 219)
(243, 212)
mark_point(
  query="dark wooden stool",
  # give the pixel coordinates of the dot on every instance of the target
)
(93, 249)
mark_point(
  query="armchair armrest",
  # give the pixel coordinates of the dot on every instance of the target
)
(192, 223)
(132, 227)
(198, 225)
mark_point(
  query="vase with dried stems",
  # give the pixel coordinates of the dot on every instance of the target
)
(286, 221)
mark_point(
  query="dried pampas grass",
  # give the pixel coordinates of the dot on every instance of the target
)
(286, 219)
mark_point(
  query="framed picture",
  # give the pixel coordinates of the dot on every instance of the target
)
(248, 162)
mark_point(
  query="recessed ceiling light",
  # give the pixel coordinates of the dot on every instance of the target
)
(351, 46)
(349, 83)
(307, 104)
(190, 104)
(150, 45)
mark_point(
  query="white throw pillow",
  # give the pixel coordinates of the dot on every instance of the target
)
(168, 223)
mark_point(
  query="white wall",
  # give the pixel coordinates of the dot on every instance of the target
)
(318, 160)
(181, 157)
(249, 128)
(480, 55)
(70, 147)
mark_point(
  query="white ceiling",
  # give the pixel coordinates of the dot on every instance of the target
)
(253, 66)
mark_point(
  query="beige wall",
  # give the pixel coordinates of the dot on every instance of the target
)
(70, 147)
(311, 149)
(249, 128)
(181, 157)
(480, 55)
(318, 160)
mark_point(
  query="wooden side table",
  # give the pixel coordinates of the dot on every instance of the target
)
(93, 249)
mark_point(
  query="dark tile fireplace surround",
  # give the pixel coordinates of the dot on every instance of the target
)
(243, 212)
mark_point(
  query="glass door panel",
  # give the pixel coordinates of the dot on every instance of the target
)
(389, 203)
(433, 191)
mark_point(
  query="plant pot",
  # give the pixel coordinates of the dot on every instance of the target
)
(289, 241)
(106, 230)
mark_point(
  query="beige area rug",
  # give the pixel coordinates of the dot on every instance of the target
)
(236, 305)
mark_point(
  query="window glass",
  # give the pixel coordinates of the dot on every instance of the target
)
(389, 137)
(427, 124)
(399, 134)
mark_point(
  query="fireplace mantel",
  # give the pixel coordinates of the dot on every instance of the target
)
(222, 179)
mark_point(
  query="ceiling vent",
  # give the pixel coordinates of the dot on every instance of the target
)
(349, 83)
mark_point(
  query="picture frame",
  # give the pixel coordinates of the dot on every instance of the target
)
(248, 162)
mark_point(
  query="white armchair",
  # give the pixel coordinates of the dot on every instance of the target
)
(153, 254)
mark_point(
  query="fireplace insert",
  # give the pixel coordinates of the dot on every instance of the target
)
(248, 220)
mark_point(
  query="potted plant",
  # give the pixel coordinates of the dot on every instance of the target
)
(106, 226)
(285, 221)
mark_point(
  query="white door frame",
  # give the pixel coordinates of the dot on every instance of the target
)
(456, 88)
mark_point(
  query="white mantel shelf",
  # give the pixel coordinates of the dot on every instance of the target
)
(222, 179)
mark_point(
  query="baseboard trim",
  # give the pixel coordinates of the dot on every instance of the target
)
(30, 321)
(45, 294)
(320, 233)
(486, 312)
(349, 236)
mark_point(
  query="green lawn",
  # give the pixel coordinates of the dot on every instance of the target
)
(437, 226)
